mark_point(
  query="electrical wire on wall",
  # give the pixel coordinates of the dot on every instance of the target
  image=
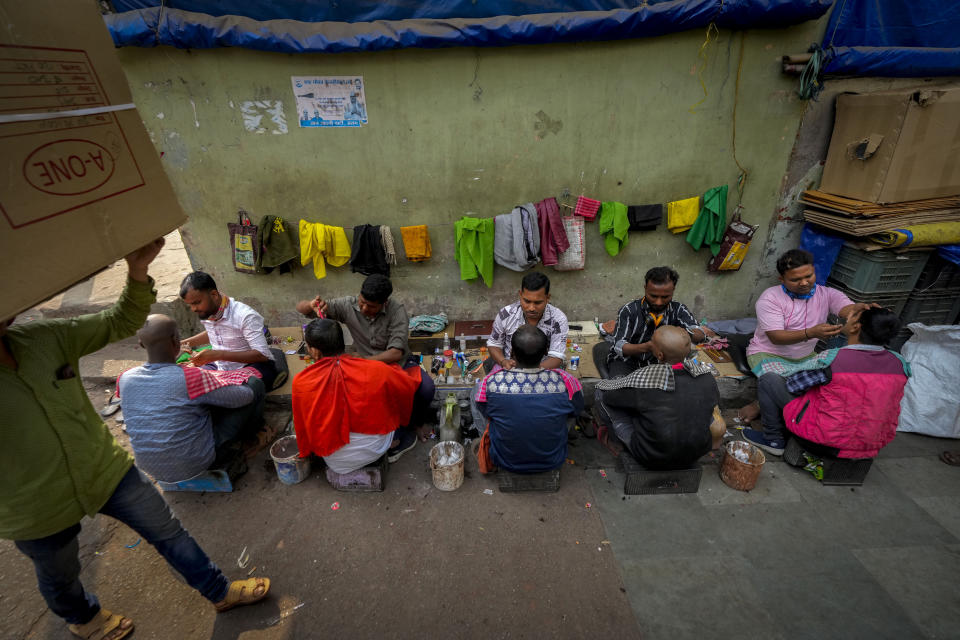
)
(712, 34)
(742, 179)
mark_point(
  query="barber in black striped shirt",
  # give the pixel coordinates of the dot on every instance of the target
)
(636, 321)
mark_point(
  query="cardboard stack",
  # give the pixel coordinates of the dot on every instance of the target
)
(82, 184)
(860, 218)
(893, 162)
(892, 179)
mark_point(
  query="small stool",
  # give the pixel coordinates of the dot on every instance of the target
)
(512, 482)
(373, 477)
(211, 481)
(837, 472)
(845, 472)
(643, 481)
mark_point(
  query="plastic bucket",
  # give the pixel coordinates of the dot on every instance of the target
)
(446, 463)
(291, 468)
(741, 465)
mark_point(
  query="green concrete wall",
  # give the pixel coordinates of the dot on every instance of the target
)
(480, 130)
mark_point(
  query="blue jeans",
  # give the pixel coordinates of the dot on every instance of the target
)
(136, 503)
(421, 413)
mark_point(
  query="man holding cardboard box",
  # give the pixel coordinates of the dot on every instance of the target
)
(61, 463)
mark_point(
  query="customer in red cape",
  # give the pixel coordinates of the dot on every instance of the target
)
(351, 410)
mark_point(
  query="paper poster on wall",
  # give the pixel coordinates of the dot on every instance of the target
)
(330, 101)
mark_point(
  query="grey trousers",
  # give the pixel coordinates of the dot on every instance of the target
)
(773, 397)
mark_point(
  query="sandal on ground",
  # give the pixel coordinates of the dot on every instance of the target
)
(243, 592)
(104, 626)
(951, 457)
(603, 437)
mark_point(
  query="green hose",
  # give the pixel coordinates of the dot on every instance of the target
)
(811, 78)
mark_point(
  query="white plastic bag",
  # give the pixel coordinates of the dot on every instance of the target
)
(931, 399)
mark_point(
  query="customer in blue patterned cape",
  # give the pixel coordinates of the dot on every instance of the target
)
(528, 407)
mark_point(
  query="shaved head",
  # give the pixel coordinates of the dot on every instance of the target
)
(530, 345)
(671, 344)
(159, 336)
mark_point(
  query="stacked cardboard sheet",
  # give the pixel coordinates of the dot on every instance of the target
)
(860, 218)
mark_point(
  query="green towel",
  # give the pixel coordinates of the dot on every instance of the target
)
(614, 226)
(711, 222)
(474, 248)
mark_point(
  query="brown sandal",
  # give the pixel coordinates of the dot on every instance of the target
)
(951, 457)
(104, 626)
(243, 592)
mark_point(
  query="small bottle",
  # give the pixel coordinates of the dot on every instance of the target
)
(446, 341)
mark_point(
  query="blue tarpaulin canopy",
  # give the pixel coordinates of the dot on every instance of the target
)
(901, 38)
(301, 26)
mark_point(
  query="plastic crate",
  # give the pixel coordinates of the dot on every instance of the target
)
(878, 271)
(512, 482)
(938, 274)
(932, 307)
(900, 339)
(643, 481)
(893, 301)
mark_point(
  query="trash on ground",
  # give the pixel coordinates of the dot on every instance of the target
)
(243, 559)
(283, 614)
(131, 546)
(335, 506)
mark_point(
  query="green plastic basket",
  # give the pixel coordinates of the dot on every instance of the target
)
(878, 271)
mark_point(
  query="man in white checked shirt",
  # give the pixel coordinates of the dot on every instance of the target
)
(234, 330)
(532, 308)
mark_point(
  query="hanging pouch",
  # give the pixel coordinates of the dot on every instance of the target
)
(734, 246)
(243, 243)
(574, 258)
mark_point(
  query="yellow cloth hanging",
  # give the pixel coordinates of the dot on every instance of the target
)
(416, 242)
(319, 241)
(681, 214)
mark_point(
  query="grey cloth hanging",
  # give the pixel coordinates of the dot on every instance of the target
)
(516, 240)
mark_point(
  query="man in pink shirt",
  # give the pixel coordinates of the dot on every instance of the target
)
(791, 317)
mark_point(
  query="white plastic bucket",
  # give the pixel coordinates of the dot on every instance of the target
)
(291, 468)
(446, 463)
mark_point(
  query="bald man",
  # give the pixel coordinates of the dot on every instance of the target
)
(177, 431)
(663, 413)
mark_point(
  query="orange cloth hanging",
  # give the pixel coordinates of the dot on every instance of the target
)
(416, 242)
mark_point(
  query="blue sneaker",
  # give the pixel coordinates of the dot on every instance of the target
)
(756, 437)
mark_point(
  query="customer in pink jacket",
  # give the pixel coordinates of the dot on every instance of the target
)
(851, 408)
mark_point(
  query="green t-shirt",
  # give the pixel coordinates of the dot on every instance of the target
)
(59, 461)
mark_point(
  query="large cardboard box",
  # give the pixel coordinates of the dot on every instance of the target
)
(80, 190)
(895, 146)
